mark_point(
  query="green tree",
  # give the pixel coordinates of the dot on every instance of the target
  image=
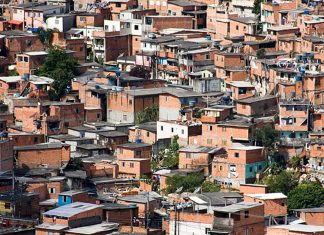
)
(306, 195)
(45, 35)
(189, 183)
(284, 182)
(257, 7)
(208, 186)
(148, 115)
(295, 162)
(60, 67)
(266, 136)
(260, 54)
(75, 164)
(140, 71)
(171, 157)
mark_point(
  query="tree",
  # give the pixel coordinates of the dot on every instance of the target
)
(140, 71)
(60, 67)
(284, 182)
(75, 164)
(149, 114)
(257, 7)
(260, 54)
(306, 195)
(295, 162)
(45, 35)
(208, 186)
(188, 183)
(266, 136)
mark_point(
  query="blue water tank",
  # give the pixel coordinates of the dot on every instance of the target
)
(137, 141)
(97, 87)
(298, 78)
(119, 88)
(114, 88)
(208, 37)
(118, 73)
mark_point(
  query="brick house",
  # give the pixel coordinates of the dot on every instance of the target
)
(312, 216)
(46, 188)
(174, 100)
(145, 204)
(112, 138)
(240, 218)
(275, 206)
(16, 42)
(195, 157)
(100, 166)
(26, 205)
(240, 165)
(240, 90)
(134, 159)
(209, 119)
(6, 154)
(256, 106)
(51, 155)
(124, 105)
(293, 118)
(69, 216)
(301, 229)
(48, 117)
(72, 196)
(120, 213)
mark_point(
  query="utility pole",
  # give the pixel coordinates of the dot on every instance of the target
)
(175, 219)
(148, 211)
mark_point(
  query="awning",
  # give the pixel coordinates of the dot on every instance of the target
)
(17, 22)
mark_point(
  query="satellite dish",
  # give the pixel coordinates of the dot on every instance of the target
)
(197, 190)
(179, 190)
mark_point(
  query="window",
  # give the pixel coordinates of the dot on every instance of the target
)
(166, 99)
(147, 134)
(259, 167)
(246, 231)
(131, 165)
(172, 129)
(207, 230)
(209, 141)
(210, 127)
(246, 214)
(130, 102)
(128, 25)
(35, 139)
(250, 169)
(236, 154)
(83, 19)
(118, 4)
(51, 190)
(188, 155)
(66, 124)
(161, 128)
(282, 204)
(123, 163)
(125, 117)
(81, 48)
(182, 131)
(64, 198)
(207, 57)
(319, 148)
(135, 27)
(237, 28)
(7, 205)
(98, 115)
(224, 128)
(220, 168)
